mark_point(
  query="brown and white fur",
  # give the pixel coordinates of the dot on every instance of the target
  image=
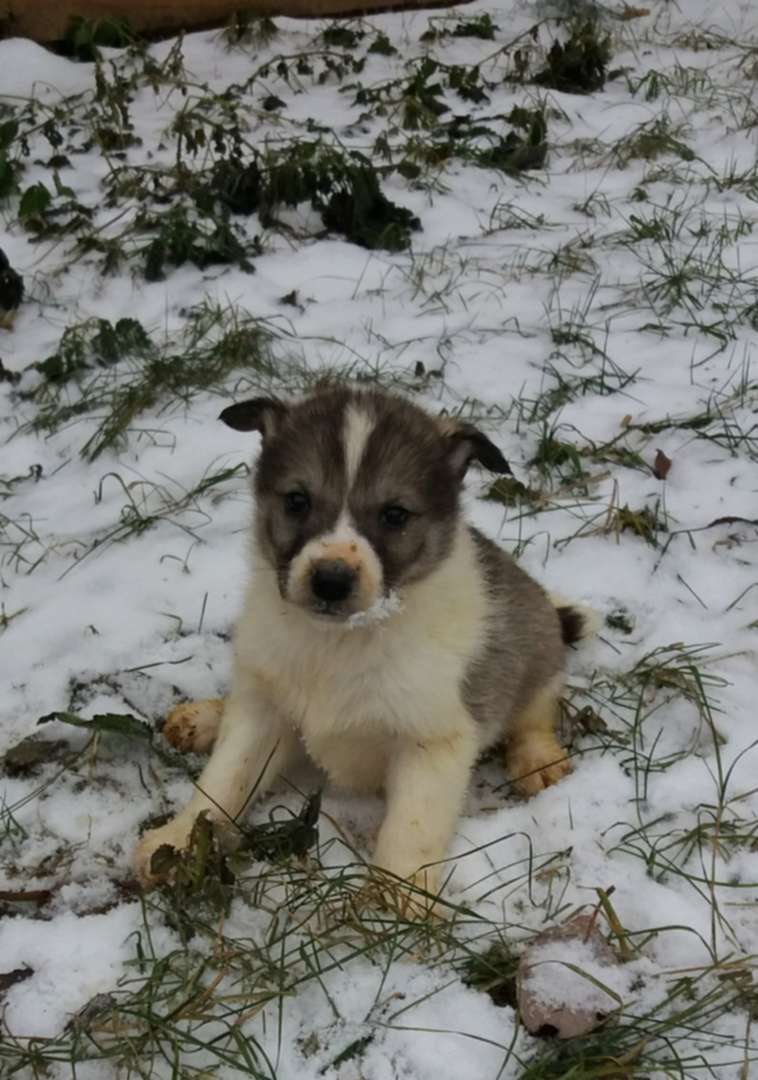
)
(380, 633)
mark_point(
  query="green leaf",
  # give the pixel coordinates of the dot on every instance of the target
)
(128, 727)
(8, 177)
(107, 723)
(34, 202)
(8, 132)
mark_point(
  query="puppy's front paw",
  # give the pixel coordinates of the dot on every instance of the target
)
(174, 835)
(412, 897)
(193, 726)
(536, 762)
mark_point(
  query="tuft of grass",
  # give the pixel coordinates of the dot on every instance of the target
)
(650, 141)
(645, 523)
(508, 491)
(119, 371)
(555, 456)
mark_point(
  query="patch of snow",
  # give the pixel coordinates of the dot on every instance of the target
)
(383, 608)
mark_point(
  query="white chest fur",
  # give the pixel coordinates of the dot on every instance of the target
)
(398, 677)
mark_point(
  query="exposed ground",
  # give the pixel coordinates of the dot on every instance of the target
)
(562, 249)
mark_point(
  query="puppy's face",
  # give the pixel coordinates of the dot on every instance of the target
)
(357, 493)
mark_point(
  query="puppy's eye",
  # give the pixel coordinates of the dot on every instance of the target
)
(394, 517)
(297, 503)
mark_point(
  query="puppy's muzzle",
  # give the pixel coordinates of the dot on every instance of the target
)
(332, 581)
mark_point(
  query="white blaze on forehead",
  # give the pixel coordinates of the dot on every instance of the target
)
(358, 428)
(343, 531)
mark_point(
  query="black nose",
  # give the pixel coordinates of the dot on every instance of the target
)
(332, 581)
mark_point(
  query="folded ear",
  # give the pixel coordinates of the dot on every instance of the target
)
(259, 414)
(466, 443)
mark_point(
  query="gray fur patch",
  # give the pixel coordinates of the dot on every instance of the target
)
(524, 647)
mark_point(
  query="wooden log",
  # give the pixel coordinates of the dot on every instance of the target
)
(47, 20)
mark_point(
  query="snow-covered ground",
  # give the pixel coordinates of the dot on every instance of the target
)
(588, 314)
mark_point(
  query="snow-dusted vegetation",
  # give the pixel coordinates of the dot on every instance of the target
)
(557, 241)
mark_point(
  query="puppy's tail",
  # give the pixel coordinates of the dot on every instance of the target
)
(578, 622)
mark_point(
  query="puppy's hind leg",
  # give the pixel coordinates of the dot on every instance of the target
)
(534, 757)
(194, 725)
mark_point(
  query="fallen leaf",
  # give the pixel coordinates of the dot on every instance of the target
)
(93, 1010)
(544, 1008)
(661, 465)
(10, 978)
(630, 12)
(295, 836)
(130, 727)
(25, 896)
(590, 721)
(30, 753)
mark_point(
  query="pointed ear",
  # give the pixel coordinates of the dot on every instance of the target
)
(465, 443)
(260, 414)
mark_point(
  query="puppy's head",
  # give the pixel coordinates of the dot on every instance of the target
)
(357, 493)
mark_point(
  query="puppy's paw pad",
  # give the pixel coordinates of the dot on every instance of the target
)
(193, 727)
(533, 769)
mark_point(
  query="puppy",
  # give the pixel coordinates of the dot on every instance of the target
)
(379, 632)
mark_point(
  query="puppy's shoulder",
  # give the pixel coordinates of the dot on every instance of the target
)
(495, 566)
(505, 583)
